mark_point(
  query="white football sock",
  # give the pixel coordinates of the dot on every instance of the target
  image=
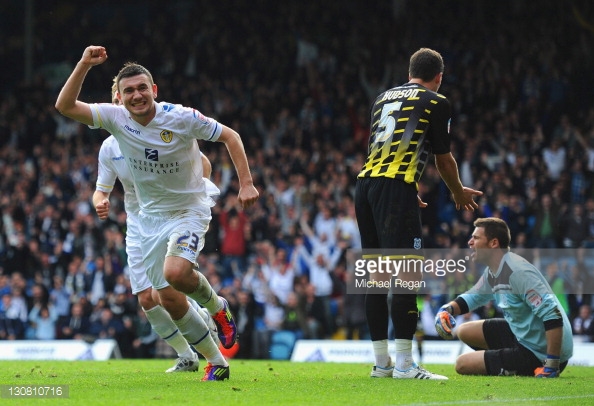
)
(206, 296)
(196, 332)
(404, 359)
(168, 331)
(380, 350)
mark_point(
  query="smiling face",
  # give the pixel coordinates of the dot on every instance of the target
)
(138, 94)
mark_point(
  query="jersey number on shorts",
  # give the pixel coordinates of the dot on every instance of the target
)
(192, 243)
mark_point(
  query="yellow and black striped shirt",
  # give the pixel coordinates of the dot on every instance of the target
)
(408, 123)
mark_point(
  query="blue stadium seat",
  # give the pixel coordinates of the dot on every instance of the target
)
(281, 344)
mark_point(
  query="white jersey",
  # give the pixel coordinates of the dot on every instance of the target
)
(112, 165)
(161, 156)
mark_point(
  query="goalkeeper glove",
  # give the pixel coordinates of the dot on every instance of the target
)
(445, 322)
(550, 368)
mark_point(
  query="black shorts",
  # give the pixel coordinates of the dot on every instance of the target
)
(506, 356)
(388, 213)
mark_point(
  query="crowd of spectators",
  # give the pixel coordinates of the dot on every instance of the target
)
(296, 80)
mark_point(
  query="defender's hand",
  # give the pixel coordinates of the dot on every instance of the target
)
(466, 199)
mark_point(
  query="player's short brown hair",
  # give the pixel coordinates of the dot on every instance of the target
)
(425, 64)
(495, 228)
(131, 69)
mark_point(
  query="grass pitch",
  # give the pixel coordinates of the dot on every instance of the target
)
(261, 383)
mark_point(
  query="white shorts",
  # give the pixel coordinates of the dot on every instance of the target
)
(139, 279)
(179, 233)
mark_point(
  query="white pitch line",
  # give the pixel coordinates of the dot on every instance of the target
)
(472, 402)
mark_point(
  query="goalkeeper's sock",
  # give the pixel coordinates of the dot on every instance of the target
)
(380, 350)
(404, 358)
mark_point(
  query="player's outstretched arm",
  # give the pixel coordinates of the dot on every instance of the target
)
(67, 102)
(448, 170)
(248, 194)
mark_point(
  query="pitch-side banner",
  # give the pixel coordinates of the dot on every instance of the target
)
(456, 270)
(361, 351)
(66, 350)
(434, 352)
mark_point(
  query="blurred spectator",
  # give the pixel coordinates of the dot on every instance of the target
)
(43, 321)
(324, 225)
(100, 279)
(354, 317)
(232, 222)
(294, 319)
(122, 304)
(255, 282)
(555, 277)
(320, 276)
(547, 218)
(279, 273)
(12, 322)
(245, 314)
(579, 183)
(573, 229)
(97, 309)
(74, 282)
(4, 285)
(38, 296)
(315, 313)
(554, 158)
(107, 326)
(145, 340)
(347, 225)
(583, 324)
(274, 313)
(428, 310)
(127, 336)
(76, 326)
(59, 297)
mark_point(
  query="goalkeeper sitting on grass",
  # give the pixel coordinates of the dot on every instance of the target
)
(533, 338)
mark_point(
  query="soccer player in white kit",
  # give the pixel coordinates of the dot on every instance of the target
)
(158, 141)
(112, 166)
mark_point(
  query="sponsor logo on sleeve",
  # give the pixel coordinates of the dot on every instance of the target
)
(533, 298)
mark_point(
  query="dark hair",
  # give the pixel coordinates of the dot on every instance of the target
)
(132, 69)
(425, 64)
(495, 228)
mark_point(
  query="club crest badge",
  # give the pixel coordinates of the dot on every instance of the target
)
(166, 136)
(417, 243)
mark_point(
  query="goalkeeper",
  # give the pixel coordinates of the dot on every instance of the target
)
(533, 339)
